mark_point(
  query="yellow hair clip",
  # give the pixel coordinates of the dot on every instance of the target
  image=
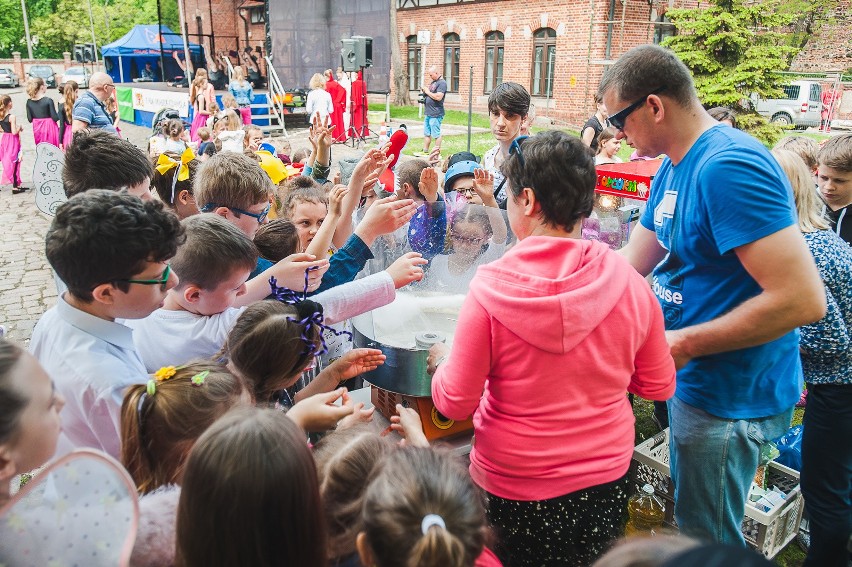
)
(166, 163)
(165, 373)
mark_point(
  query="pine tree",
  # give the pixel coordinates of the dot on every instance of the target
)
(735, 49)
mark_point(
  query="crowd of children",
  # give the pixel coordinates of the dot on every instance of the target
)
(202, 333)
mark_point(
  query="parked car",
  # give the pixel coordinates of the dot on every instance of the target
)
(44, 72)
(8, 78)
(79, 75)
(800, 106)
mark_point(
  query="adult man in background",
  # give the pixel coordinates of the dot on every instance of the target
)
(89, 111)
(733, 276)
(434, 103)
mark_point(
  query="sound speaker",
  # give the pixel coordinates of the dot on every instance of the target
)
(363, 50)
(89, 52)
(348, 56)
(78, 53)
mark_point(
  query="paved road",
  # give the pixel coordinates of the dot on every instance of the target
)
(26, 282)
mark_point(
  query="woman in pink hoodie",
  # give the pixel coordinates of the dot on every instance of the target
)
(555, 334)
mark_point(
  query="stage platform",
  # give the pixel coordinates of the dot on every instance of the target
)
(139, 102)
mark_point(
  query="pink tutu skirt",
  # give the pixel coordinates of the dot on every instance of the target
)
(199, 121)
(245, 113)
(67, 137)
(45, 130)
(10, 157)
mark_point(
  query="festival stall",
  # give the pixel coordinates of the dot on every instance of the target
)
(125, 58)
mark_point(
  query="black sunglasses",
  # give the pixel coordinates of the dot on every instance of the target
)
(617, 120)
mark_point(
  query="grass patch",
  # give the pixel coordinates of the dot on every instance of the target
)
(455, 117)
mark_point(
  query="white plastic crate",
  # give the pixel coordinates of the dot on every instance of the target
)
(767, 532)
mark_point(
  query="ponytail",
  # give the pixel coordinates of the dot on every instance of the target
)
(4, 102)
(133, 455)
(438, 547)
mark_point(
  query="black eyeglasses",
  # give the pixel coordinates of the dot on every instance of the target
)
(515, 149)
(261, 216)
(162, 282)
(618, 119)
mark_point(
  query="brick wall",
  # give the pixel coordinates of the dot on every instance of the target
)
(831, 48)
(222, 19)
(581, 45)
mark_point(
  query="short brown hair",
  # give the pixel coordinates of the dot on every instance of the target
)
(277, 239)
(157, 431)
(213, 250)
(250, 496)
(97, 159)
(836, 153)
(645, 68)
(806, 148)
(12, 402)
(266, 348)
(229, 179)
(409, 172)
(297, 196)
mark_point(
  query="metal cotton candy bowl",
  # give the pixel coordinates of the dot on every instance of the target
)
(426, 312)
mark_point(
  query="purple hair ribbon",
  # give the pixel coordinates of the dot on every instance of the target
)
(286, 295)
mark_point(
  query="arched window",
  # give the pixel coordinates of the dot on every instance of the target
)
(544, 61)
(452, 47)
(414, 78)
(493, 60)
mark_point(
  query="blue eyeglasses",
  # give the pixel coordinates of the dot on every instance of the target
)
(515, 149)
(260, 217)
(618, 119)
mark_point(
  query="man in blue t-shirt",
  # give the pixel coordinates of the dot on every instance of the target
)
(734, 279)
(434, 103)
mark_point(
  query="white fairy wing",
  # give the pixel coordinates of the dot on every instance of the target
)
(81, 510)
(47, 178)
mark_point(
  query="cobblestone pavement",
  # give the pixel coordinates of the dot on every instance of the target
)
(26, 282)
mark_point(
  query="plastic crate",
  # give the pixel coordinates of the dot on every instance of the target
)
(767, 532)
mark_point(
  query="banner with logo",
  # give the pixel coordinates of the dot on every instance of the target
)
(124, 96)
(154, 101)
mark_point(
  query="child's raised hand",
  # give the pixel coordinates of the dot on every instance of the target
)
(385, 216)
(429, 184)
(407, 423)
(483, 184)
(434, 157)
(319, 412)
(335, 199)
(356, 362)
(290, 272)
(406, 269)
(370, 161)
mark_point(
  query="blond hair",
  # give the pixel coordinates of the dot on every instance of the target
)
(33, 86)
(228, 101)
(317, 81)
(237, 76)
(808, 204)
(806, 148)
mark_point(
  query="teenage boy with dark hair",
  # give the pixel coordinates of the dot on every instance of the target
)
(112, 251)
(97, 159)
(508, 105)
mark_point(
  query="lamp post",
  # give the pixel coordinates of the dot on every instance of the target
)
(27, 29)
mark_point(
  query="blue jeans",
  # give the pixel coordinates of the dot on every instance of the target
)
(713, 461)
(827, 473)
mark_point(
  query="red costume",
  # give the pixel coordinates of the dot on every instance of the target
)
(830, 101)
(338, 105)
(358, 118)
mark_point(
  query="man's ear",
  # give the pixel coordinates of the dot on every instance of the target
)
(364, 551)
(105, 293)
(407, 191)
(7, 465)
(658, 107)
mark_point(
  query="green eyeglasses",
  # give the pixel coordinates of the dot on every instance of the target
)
(162, 282)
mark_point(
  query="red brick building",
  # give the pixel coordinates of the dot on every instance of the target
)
(557, 50)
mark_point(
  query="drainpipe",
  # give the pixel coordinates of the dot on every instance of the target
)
(610, 19)
(242, 12)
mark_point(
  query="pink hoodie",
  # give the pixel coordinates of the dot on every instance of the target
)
(550, 339)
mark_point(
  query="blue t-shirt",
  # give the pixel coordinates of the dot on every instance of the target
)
(727, 191)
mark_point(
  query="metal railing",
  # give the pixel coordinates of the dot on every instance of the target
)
(276, 95)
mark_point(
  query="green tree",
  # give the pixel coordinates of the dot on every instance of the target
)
(736, 49)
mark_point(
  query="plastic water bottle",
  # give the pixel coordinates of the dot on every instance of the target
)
(646, 513)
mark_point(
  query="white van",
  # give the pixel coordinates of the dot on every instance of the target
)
(800, 107)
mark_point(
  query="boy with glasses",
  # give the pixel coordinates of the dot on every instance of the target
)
(112, 251)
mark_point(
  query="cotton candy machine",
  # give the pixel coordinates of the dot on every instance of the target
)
(426, 313)
(620, 195)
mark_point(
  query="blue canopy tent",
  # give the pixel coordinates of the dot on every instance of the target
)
(126, 57)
